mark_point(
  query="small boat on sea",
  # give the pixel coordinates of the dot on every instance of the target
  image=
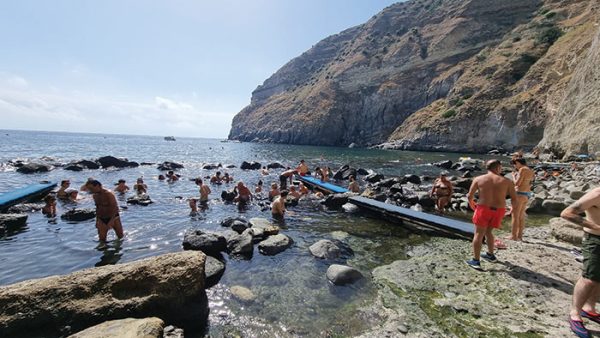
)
(24, 194)
(169, 138)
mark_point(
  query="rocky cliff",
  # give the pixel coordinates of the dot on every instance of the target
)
(429, 74)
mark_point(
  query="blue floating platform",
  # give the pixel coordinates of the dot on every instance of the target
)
(24, 194)
(324, 186)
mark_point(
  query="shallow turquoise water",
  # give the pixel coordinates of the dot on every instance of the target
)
(293, 294)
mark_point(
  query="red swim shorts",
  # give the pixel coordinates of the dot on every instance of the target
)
(488, 217)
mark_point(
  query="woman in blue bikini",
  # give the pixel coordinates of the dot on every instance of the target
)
(522, 178)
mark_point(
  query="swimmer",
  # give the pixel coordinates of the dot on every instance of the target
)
(140, 187)
(171, 177)
(303, 189)
(324, 173)
(72, 195)
(204, 192)
(49, 208)
(274, 191)
(161, 177)
(107, 210)
(84, 186)
(216, 179)
(194, 206)
(121, 187)
(227, 178)
(259, 187)
(243, 193)
(353, 186)
(278, 206)
(294, 193)
(62, 191)
(264, 171)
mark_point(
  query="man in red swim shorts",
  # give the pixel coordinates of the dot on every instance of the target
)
(489, 209)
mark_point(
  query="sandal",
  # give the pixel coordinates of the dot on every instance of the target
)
(498, 244)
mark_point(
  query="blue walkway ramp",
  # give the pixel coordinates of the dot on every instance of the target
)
(323, 186)
(24, 194)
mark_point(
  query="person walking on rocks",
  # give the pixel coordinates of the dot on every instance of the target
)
(522, 178)
(489, 209)
(107, 210)
(587, 288)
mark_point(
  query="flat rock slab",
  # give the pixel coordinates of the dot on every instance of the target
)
(210, 243)
(242, 293)
(13, 220)
(79, 215)
(124, 328)
(258, 222)
(274, 244)
(325, 249)
(169, 286)
(342, 274)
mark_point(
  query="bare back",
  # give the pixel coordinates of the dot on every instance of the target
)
(524, 178)
(492, 189)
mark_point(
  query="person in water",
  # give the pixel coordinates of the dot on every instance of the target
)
(274, 191)
(353, 186)
(302, 168)
(62, 191)
(204, 192)
(140, 187)
(303, 189)
(72, 195)
(259, 187)
(324, 174)
(278, 206)
(294, 193)
(84, 186)
(121, 187)
(161, 177)
(243, 193)
(49, 208)
(489, 209)
(264, 171)
(522, 181)
(216, 178)
(107, 211)
(227, 178)
(587, 288)
(193, 206)
(442, 191)
(172, 177)
(288, 174)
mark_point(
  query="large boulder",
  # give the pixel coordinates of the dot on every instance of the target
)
(274, 244)
(142, 199)
(374, 178)
(412, 179)
(336, 201)
(344, 172)
(425, 200)
(169, 286)
(444, 164)
(124, 328)
(166, 166)
(566, 231)
(464, 183)
(213, 271)
(239, 226)
(325, 249)
(554, 207)
(275, 165)
(79, 215)
(250, 166)
(258, 222)
(211, 166)
(113, 162)
(13, 220)
(240, 244)
(32, 168)
(228, 221)
(82, 164)
(342, 274)
(210, 243)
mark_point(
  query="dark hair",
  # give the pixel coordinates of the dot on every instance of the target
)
(218, 173)
(492, 164)
(283, 193)
(351, 177)
(519, 160)
(94, 183)
(121, 180)
(260, 182)
(49, 198)
(301, 161)
(198, 181)
(64, 181)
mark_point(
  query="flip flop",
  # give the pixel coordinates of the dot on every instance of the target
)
(593, 316)
(578, 328)
(498, 244)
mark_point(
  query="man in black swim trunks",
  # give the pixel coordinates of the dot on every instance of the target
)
(107, 210)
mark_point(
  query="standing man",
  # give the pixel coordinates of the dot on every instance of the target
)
(288, 174)
(489, 209)
(587, 289)
(107, 210)
(278, 206)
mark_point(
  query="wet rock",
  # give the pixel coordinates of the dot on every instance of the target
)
(230, 166)
(173, 332)
(227, 222)
(374, 178)
(228, 195)
(275, 165)
(464, 183)
(239, 226)
(25, 207)
(576, 194)
(8, 221)
(362, 171)
(425, 200)
(250, 166)
(467, 174)
(240, 244)
(335, 201)
(210, 243)
(566, 231)
(325, 249)
(344, 172)
(412, 179)
(554, 207)
(128, 327)
(86, 164)
(166, 166)
(242, 294)
(147, 163)
(169, 286)
(113, 162)
(213, 271)
(32, 168)
(444, 164)
(211, 166)
(342, 274)
(388, 182)
(339, 235)
(142, 200)
(350, 208)
(257, 222)
(535, 205)
(73, 167)
(79, 215)
(274, 244)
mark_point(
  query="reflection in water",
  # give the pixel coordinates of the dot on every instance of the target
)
(111, 252)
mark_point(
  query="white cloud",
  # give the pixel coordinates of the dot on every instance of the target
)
(167, 104)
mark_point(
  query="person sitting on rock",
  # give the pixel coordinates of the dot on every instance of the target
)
(227, 178)
(243, 193)
(353, 186)
(49, 208)
(264, 171)
(324, 174)
(140, 187)
(274, 192)
(295, 194)
(171, 177)
(278, 206)
(303, 189)
(259, 187)
(302, 168)
(62, 191)
(442, 191)
(121, 187)
(216, 179)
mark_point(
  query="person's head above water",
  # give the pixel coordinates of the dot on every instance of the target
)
(94, 185)
(218, 173)
(273, 185)
(494, 166)
(65, 183)
(140, 180)
(121, 181)
(284, 193)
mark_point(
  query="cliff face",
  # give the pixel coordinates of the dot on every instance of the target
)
(428, 74)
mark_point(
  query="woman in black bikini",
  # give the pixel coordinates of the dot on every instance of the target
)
(442, 190)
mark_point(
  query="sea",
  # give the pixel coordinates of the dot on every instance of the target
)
(293, 295)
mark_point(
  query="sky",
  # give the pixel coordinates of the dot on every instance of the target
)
(146, 67)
